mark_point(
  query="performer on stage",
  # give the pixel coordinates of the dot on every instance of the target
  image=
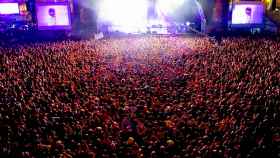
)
(52, 17)
(248, 15)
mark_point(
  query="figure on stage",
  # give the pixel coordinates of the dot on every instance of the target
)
(248, 15)
(52, 17)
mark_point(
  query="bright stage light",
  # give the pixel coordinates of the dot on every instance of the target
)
(169, 6)
(131, 16)
(125, 14)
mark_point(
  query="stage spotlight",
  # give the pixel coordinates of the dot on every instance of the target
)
(126, 15)
(169, 6)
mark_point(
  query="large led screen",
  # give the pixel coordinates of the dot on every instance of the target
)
(247, 14)
(53, 16)
(9, 8)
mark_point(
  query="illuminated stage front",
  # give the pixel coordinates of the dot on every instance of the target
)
(148, 16)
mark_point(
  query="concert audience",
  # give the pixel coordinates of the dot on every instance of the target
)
(141, 97)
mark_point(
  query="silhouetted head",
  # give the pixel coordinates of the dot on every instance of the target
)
(249, 11)
(52, 12)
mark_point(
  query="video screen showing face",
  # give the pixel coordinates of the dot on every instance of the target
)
(53, 17)
(9, 8)
(247, 14)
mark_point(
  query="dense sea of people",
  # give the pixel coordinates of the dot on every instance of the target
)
(141, 97)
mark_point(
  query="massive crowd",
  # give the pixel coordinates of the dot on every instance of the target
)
(141, 97)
